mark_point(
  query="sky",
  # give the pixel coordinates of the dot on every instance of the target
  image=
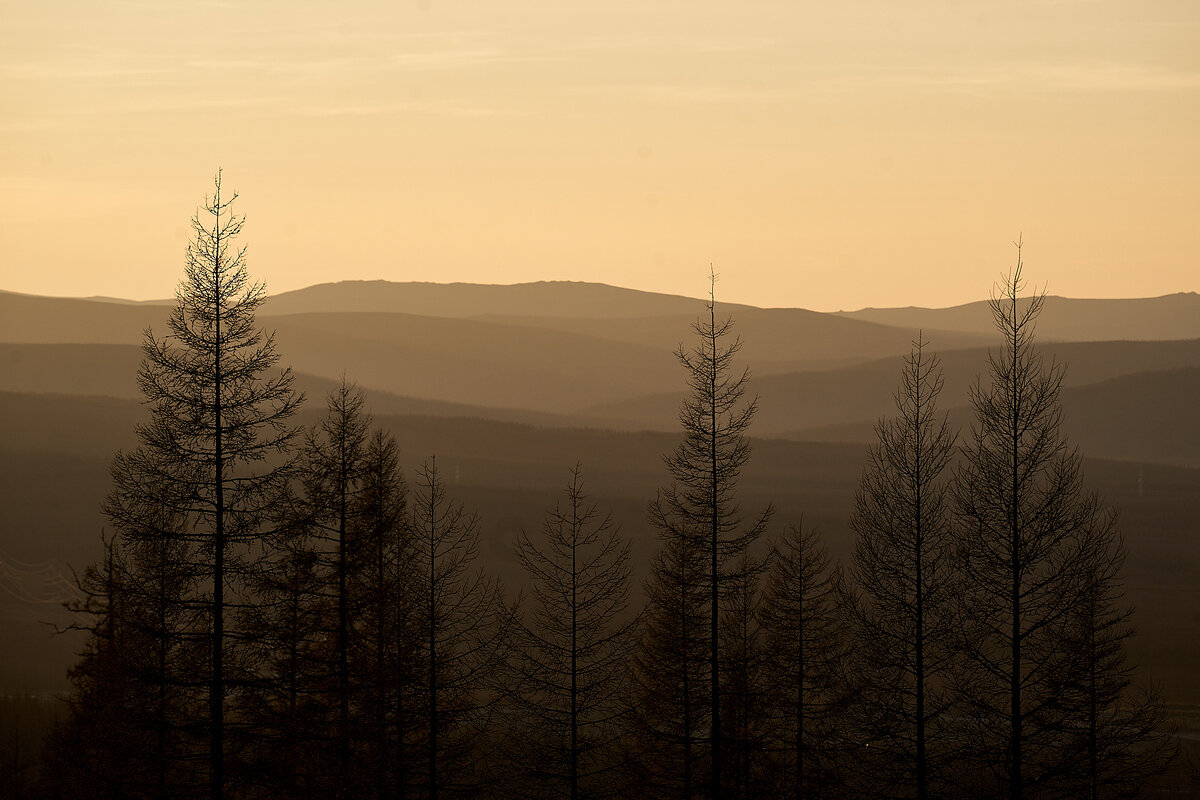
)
(832, 155)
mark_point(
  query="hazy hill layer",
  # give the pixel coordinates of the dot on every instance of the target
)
(1150, 417)
(773, 340)
(28, 318)
(1154, 398)
(542, 298)
(792, 403)
(467, 361)
(1172, 316)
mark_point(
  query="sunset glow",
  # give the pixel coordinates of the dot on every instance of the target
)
(820, 155)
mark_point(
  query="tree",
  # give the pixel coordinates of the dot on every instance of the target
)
(569, 662)
(701, 504)
(1116, 736)
(745, 683)
(381, 555)
(904, 568)
(802, 620)
(669, 665)
(91, 748)
(331, 474)
(326, 704)
(1033, 544)
(158, 586)
(286, 705)
(464, 627)
(218, 430)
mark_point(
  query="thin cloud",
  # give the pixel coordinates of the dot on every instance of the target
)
(1016, 76)
(716, 94)
(365, 111)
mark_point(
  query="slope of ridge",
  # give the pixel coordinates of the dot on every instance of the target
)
(571, 298)
(1172, 316)
(789, 404)
(30, 318)
(1149, 417)
(472, 362)
(110, 371)
(773, 340)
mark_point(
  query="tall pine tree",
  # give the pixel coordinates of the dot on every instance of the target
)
(905, 573)
(700, 506)
(218, 433)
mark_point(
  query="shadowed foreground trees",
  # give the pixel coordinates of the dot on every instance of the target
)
(331, 627)
(669, 668)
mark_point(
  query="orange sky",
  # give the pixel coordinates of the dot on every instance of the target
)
(823, 155)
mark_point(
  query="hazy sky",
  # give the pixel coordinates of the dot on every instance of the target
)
(825, 155)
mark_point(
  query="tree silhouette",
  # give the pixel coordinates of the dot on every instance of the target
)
(286, 705)
(570, 656)
(701, 504)
(669, 666)
(92, 746)
(159, 584)
(904, 567)
(219, 412)
(464, 627)
(1116, 735)
(381, 552)
(331, 472)
(805, 643)
(1032, 548)
(745, 682)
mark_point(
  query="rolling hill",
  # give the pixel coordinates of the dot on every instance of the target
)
(542, 298)
(1172, 316)
(1149, 417)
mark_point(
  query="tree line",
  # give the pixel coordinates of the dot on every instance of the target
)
(280, 612)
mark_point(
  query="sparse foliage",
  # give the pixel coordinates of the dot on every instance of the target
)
(699, 517)
(464, 628)
(905, 573)
(1033, 545)
(570, 659)
(805, 646)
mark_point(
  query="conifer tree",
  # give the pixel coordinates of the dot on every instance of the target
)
(382, 596)
(745, 680)
(805, 644)
(1116, 734)
(464, 627)
(1035, 548)
(331, 475)
(905, 573)
(286, 705)
(92, 746)
(218, 434)
(569, 660)
(669, 666)
(700, 506)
